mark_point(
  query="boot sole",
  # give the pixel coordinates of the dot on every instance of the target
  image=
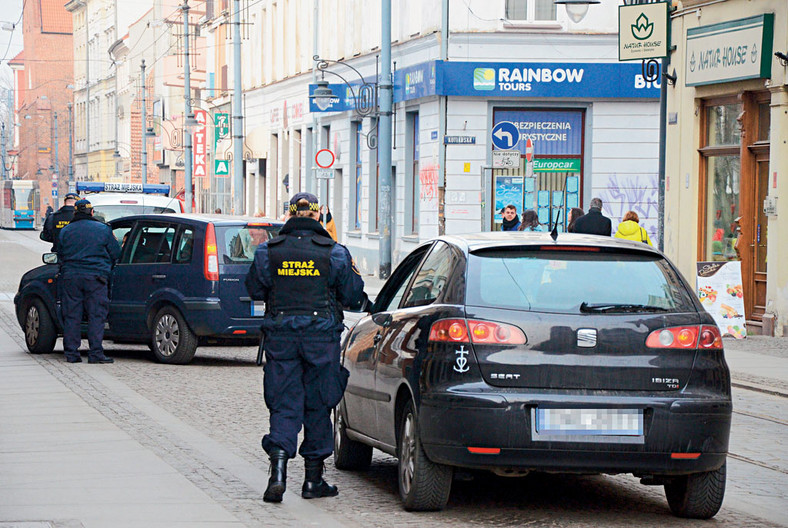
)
(274, 493)
(309, 495)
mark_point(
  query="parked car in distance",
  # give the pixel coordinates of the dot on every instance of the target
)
(115, 200)
(179, 283)
(512, 352)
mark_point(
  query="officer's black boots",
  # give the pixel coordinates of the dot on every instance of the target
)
(276, 483)
(314, 486)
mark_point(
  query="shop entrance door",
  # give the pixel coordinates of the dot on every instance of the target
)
(756, 303)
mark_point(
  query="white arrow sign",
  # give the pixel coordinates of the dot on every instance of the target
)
(500, 134)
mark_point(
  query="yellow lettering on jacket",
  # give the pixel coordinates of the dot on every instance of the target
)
(293, 272)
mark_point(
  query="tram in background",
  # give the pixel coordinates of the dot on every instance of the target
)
(19, 204)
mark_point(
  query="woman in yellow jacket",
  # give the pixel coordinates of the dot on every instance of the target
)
(629, 229)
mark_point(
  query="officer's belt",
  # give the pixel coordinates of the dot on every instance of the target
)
(325, 314)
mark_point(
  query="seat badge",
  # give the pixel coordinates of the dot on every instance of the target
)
(462, 361)
(586, 337)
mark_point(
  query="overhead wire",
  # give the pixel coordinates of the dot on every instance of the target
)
(11, 38)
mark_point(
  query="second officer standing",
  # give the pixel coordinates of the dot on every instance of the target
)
(305, 279)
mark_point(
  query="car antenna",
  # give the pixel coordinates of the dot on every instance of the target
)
(554, 232)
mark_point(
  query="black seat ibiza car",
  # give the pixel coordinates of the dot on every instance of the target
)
(517, 353)
(179, 283)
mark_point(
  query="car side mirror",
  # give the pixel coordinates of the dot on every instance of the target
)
(49, 258)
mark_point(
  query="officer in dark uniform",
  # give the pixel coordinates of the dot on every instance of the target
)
(305, 279)
(87, 252)
(58, 220)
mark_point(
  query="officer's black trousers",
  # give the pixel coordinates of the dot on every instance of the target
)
(90, 293)
(301, 386)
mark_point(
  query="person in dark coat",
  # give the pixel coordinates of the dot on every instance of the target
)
(305, 279)
(511, 222)
(594, 222)
(574, 214)
(56, 221)
(88, 250)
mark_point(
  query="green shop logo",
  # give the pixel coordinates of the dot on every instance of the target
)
(642, 28)
(484, 79)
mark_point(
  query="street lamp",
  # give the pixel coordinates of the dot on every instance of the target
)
(576, 10)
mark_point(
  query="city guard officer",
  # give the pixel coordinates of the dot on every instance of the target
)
(58, 220)
(305, 279)
(88, 249)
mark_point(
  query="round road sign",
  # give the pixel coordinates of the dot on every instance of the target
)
(324, 158)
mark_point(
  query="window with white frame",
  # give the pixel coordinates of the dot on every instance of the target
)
(530, 10)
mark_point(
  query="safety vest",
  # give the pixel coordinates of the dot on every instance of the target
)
(60, 219)
(300, 271)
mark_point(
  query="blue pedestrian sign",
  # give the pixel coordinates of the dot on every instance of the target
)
(54, 192)
(505, 135)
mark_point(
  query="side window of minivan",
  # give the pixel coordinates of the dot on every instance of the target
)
(184, 246)
(152, 244)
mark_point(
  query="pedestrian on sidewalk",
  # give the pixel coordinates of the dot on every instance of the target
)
(88, 250)
(630, 229)
(305, 279)
(511, 222)
(594, 222)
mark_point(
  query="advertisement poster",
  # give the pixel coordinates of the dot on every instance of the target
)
(508, 190)
(720, 291)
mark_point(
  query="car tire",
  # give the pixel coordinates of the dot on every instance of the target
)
(423, 485)
(348, 454)
(172, 341)
(697, 496)
(40, 331)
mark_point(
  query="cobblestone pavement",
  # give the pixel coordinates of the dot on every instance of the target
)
(176, 411)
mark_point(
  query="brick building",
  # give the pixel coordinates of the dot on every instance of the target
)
(42, 79)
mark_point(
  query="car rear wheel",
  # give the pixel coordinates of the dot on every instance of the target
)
(697, 496)
(40, 332)
(348, 454)
(423, 485)
(172, 340)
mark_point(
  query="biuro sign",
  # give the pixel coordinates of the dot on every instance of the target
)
(200, 143)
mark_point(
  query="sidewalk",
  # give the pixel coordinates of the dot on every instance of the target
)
(62, 463)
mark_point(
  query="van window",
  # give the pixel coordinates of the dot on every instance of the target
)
(237, 244)
(152, 244)
(183, 253)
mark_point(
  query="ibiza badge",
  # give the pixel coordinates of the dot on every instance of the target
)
(462, 360)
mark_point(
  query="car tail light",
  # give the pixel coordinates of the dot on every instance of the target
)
(685, 337)
(481, 332)
(211, 258)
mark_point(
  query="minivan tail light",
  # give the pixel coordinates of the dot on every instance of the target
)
(686, 337)
(476, 332)
(211, 257)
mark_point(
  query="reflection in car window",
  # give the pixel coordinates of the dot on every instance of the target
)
(431, 278)
(183, 254)
(237, 244)
(122, 234)
(558, 281)
(152, 244)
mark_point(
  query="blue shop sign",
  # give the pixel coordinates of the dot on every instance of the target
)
(343, 101)
(552, 132)
(415, 82)
(545, 80)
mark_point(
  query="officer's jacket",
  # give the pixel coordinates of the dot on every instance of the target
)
(54, 223)
(305, 278)
(87, 247)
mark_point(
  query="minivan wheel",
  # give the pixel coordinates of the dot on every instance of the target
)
(697, 496)
(348, 454)
(40, 331)
(423, 485)
(172, 340)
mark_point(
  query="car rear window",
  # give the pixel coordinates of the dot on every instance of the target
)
(105, 213)
(574, 282)
(237, 244)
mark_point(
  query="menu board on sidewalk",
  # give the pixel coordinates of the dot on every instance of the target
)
(719, 288)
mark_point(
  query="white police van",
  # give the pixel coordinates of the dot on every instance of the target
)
(113, 200)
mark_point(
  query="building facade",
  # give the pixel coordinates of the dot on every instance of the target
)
(726, 139)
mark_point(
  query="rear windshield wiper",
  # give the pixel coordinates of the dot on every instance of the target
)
(609, 307)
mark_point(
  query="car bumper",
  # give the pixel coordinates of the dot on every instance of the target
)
(450, 424)
(207, 319)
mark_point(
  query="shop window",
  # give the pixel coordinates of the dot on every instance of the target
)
(764, 121)
(530, 10)
(722, 181)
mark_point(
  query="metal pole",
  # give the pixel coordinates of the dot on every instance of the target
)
(56, 173)
(311, 181)
(71, 186)
(443, 104)
(238, 130)
(384, 143)
(2, 135)
(187, 136)
(144, 128)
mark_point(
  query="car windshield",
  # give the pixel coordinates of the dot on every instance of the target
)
(237, 244)
(574, 282)
(105, 213)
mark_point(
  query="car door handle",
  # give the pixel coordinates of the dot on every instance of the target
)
(377, 338)
(158, 277)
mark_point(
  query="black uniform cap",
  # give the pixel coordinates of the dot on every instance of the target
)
(309, 197)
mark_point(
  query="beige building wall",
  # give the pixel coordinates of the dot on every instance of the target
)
(684, 195)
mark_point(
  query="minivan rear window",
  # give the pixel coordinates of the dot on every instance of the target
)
(237, 244)
(574, 282)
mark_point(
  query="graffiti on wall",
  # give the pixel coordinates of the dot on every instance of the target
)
(428, 180)
(639, 193)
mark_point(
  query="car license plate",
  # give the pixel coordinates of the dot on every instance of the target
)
(258, 308)
(572, 422)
